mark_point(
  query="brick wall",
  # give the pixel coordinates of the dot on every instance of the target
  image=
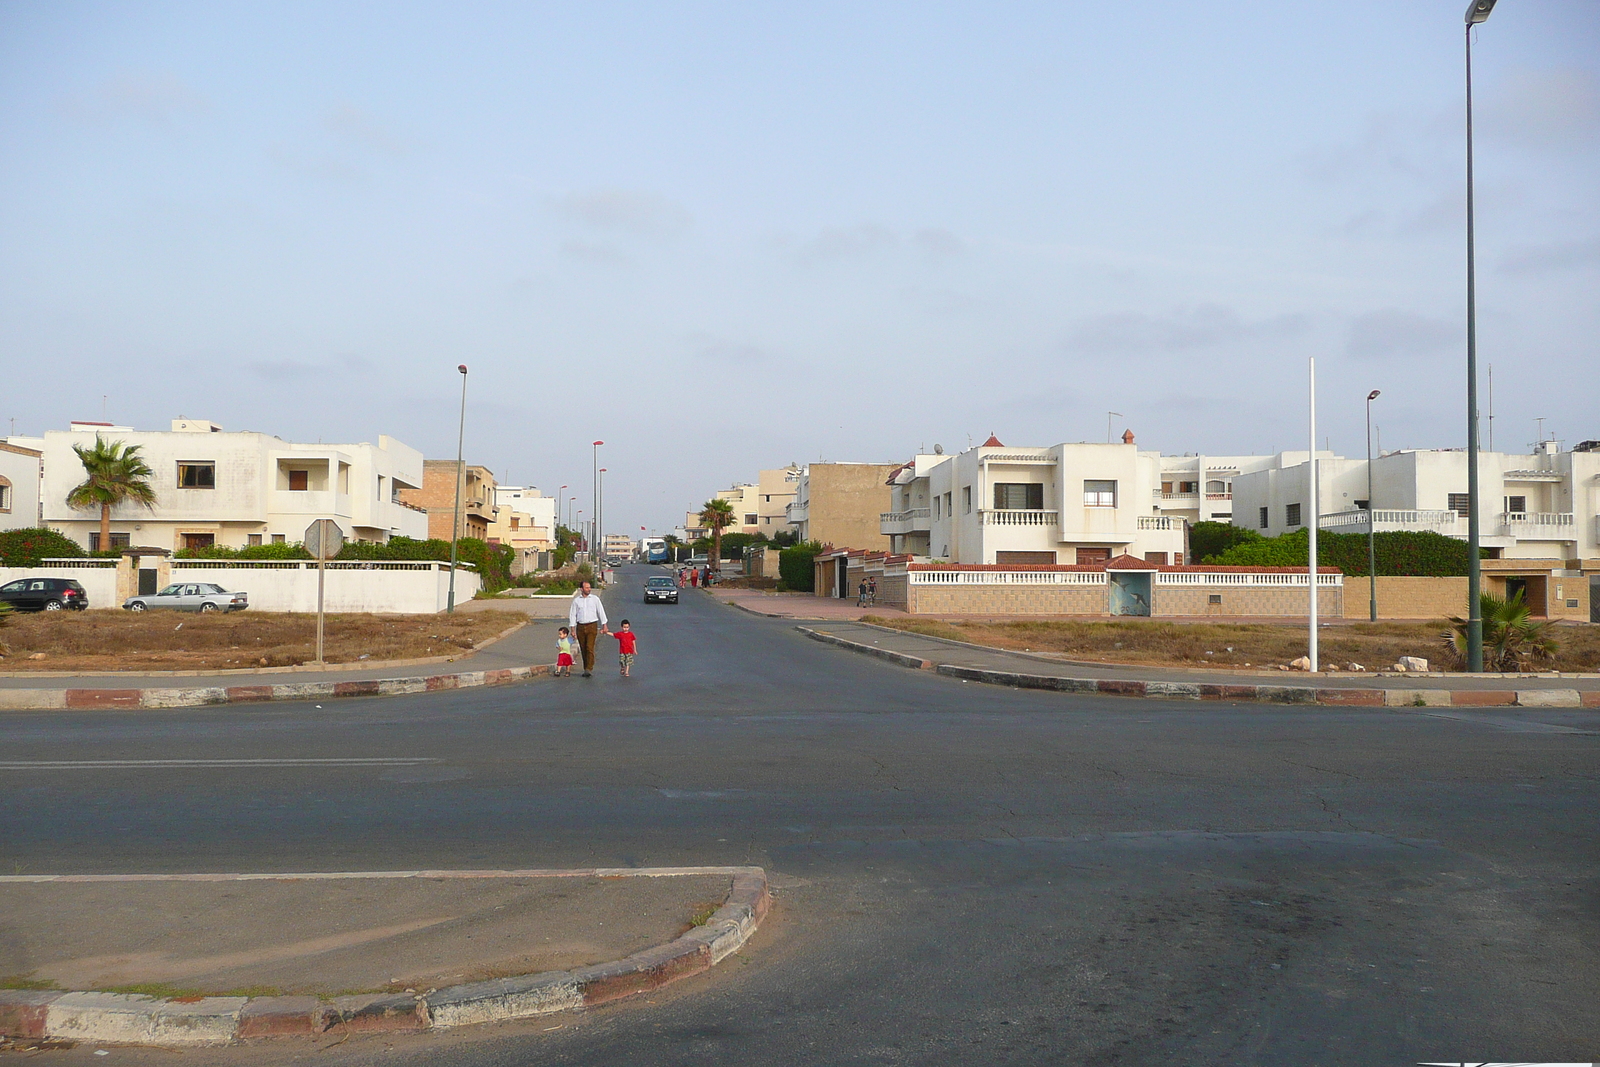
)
(1406, 597)
(1266, 601)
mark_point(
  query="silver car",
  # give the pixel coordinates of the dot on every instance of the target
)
(190, 596)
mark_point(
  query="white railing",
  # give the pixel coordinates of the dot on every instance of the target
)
(1018, 517)
(1244, 579)
(794, 513)
(306, 564)
(79, 561)
(1219, 496)
(1514, 520)
(898, 522)
(1158, 522)
(1356, 521)
(1159, 495)
(1006, 577)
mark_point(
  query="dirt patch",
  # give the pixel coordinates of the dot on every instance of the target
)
(168, 641)
(1232, 645)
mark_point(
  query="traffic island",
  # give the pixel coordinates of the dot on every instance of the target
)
(345, 952)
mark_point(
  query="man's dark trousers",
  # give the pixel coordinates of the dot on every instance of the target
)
(586, 636)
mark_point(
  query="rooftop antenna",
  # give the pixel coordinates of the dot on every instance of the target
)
(1118, 414)
(1540, 421)
(1491, 407)
(104, 400)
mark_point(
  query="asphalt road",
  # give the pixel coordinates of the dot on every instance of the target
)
(967, 874)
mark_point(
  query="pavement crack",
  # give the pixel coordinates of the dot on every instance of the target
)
(1324, 770)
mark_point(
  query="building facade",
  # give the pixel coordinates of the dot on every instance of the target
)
(525, 521)
(775, 491)
(21, 471)
(437, 496)
(237, 489)
(841, 504)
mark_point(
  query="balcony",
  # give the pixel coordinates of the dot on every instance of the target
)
(903, 522)
(1159, 522)
(1018, 517)
(796, 513)
(1539, 525)
(1356, 521)
(323, 505)
(1190, 498)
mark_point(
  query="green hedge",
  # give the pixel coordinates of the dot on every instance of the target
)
(795, 569)
(276, 550)
(1401, 553)
(492, 561)
(26, 547)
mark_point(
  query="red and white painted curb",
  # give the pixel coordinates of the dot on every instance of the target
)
(1263, 694)
(130, 1019)
(198, 696)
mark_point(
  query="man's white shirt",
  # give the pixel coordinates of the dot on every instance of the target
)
(586, 609)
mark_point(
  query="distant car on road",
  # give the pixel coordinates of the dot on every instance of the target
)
(660, 589)
(190, 596)
(45, 594)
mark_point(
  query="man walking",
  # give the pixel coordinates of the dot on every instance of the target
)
(586, 616)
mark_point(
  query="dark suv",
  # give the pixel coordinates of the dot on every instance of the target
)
(45, 594)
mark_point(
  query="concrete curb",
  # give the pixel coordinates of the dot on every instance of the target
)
(1258, 694)
(199, 696)
(131, 1019)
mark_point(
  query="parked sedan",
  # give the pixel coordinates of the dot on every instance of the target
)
(660, 589)
(45, 594)
(190, 596)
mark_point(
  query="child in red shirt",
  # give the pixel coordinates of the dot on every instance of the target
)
(627, 642)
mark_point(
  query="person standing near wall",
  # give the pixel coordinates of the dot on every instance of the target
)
(586, 615)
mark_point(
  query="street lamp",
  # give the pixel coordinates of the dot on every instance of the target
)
(594, 486)
(1372, 546)
(461, 476)
(599, 511)
(1477, 11)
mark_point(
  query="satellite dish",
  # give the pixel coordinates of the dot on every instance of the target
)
(938, 450)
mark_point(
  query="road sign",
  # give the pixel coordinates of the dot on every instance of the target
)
(323, 539)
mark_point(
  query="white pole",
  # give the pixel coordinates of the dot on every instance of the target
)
(1311, 576)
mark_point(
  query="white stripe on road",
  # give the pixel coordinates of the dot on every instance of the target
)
(135, 764)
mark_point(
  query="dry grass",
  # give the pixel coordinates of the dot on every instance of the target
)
(168, 641)
(1156, 642)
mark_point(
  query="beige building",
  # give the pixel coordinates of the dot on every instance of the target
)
(774, 493)
(744, 498)
(438, 498)
(525, 520)
(841, 504)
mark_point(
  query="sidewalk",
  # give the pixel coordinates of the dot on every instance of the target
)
(1036, 671)
(204, 959)
(797, 605)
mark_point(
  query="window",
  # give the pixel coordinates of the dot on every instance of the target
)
(966, 500)
(936, 508)
(199, 540)
(750, 520)
(1094, 555)
(516, 523)
(1216, 598)
(1099, 494)
(1018, 496)
(5, 494)
(1216, 485)
(1156, 557)
(298, 481)
(1291, 514)
(1188, 487)
(1264, 522)
(950, 507)
(1517, 505)
(118, 540)
(197, 476)
(1363, 505)
(766, 498)
(254, 540)
(1460, 503)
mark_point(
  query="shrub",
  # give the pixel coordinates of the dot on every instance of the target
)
(279, 550)
(492, 561)
(26, 547)
(795, 566)
(1210, 539)
(1423, 554)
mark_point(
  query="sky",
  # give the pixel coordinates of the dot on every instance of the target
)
(723, 237)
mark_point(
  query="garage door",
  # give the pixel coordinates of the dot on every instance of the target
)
(1025, 559)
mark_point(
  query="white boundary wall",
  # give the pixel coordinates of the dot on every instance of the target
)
(386, 587)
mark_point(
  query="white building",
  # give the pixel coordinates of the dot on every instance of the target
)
(1539, 506)
(1200, 488)
(20, 469)
(1066, 504)
(238, 489)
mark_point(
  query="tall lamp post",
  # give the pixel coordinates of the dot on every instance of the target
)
(600, 511)
(1372, 545)
(594, 487)
(1477, 11)
(561, 505)
(461, 476)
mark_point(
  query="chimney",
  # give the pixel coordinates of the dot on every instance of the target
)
(1127, 437)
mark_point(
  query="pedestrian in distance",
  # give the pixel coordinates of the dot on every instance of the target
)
(861, 595)
(694, 577)
(587, 617)
(564, 648)
(627, 645)
(872, 589)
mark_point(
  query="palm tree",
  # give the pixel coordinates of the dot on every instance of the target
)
(1510, 636)
(117, 473)
(716, 514)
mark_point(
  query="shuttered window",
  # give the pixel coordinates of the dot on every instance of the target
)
(1018, 496)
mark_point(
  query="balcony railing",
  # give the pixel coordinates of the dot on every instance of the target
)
(796, 513)
(1356, 521)
(1159, 522)
(1554, 525)
(1159, 495)
(904, 522)
(1018, 517)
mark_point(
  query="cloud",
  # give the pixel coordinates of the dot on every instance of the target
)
(624, 211)
(938, 243)
(1394, 332)
(1542, 259)
(155, 97)
(356, 126)
(1387, 143)
(1208, 324)
(837, 244)
(1544, 108)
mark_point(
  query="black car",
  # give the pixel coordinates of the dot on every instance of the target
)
(45, 594)
(660, 590)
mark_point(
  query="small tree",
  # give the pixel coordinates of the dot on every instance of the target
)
(117, 473)
(717, 514)
(1511, 639)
